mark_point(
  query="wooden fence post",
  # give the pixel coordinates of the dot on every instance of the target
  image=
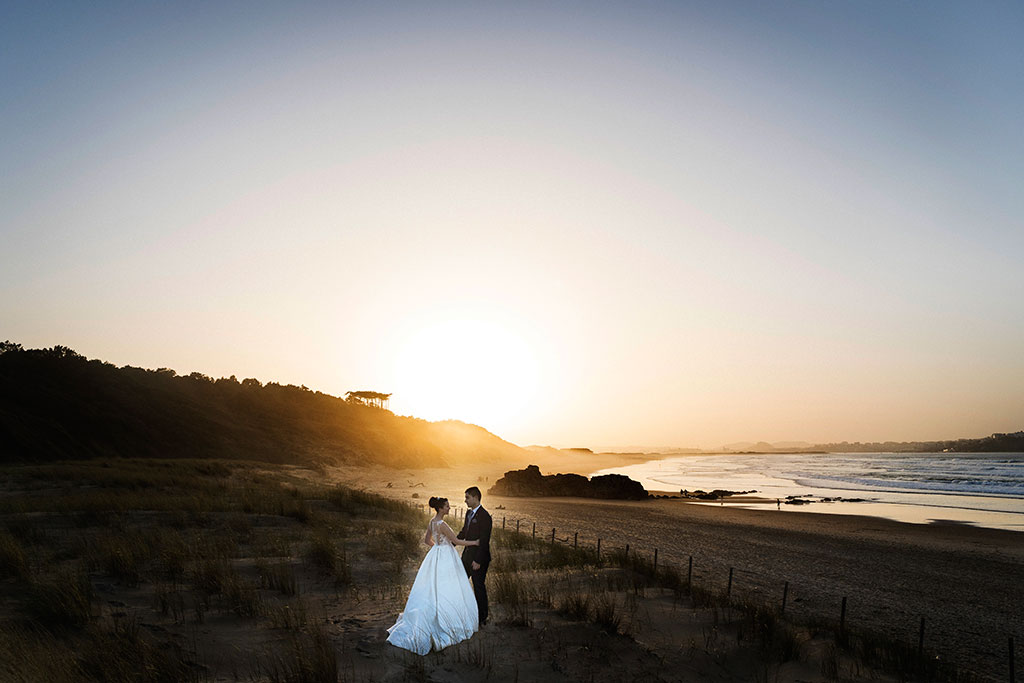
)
(599, 550)
(502, 523)
(627, 551)
(517, 526)
(785, 594)
(535, 529)
(728, 590)
(552, 536)
(1011, 660)
(575, 539)
(689, 573)
(655, 561)
(842, 617)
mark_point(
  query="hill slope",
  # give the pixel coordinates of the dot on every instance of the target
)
(56, 404)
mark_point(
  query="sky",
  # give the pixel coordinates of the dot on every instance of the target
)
(578, 224)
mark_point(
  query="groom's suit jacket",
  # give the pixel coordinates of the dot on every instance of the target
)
(477, 528)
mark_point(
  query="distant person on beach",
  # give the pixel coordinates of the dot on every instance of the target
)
(477, 558)
(441, 609)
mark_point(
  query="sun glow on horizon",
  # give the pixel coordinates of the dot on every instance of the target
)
(476, 371)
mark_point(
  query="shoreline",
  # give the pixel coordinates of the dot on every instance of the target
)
(829, 490)
(484, 475)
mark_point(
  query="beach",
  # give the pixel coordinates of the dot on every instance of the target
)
(964, 580)
(983, 489)
(237, 569)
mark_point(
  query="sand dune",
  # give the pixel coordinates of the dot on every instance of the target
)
(965, 581)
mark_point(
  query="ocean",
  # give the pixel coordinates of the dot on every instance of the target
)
(982, 489)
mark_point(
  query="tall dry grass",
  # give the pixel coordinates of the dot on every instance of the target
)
(199, 538)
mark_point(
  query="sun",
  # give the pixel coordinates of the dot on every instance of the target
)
(476, 371)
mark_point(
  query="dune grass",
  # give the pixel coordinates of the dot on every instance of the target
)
(61, 601)
(12, 557)
(309, 657)
(201, 539)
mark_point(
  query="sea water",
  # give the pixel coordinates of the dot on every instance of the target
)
(984, 489)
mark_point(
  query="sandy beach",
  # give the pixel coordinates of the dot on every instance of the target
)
(964, 581)
(261, 572)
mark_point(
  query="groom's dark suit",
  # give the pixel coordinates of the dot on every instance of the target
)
(478, 527)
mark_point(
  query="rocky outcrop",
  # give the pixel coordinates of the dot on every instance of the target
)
(530, 482)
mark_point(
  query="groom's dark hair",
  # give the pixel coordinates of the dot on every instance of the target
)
(474, 491)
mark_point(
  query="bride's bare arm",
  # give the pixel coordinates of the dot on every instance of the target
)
(450, 535)
(427, 540)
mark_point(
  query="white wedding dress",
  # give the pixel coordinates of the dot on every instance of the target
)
(441, 609)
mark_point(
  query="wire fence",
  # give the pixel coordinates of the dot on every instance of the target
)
(632, 556)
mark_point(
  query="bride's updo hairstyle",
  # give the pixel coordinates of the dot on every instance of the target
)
(437, 503)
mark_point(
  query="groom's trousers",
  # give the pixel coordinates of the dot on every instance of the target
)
(479, 578)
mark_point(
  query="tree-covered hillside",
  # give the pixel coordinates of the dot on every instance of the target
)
(57, 404)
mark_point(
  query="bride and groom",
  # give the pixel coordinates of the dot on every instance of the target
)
(448, 600)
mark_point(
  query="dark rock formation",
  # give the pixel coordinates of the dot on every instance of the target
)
(531, 483)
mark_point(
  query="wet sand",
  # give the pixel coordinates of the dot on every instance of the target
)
(965, 581)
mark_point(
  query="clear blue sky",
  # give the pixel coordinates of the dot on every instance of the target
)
(580, 224)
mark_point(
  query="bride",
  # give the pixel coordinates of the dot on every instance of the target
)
(441, 609)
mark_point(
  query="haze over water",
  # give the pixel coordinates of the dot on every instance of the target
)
(985, 489)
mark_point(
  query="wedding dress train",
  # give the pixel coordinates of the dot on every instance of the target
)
(441, 609)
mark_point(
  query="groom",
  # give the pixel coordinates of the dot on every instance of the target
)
(477, 558)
